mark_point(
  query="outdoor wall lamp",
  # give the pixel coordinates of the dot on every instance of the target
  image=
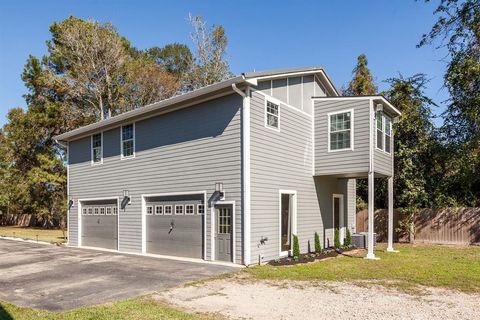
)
(126, 199)
(219, 190)
(379, 107)
(70, 203)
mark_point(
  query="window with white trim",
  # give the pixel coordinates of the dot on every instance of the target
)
(115, 211)
(200, 209)
(383, 131)
(189, 209)
(272, 115)
(128, 141)
(149, 210)
(97, 148)
(179, 209)
(167, 210)
(108, 211)
(340, 131)
(84, 211)
(158, 210)
(96, 211)
(102, 211)
(90, 211)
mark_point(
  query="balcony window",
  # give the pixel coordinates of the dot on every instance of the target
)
(340, 131)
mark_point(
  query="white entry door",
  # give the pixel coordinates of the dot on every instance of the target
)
(339, 216)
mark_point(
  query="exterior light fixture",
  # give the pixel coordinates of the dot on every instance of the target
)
(379, 107)
(70, 203)
(219, 190)
(126, 199)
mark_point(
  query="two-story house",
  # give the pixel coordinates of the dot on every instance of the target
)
(230, 171)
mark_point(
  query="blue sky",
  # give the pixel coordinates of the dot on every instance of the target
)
(262, 35)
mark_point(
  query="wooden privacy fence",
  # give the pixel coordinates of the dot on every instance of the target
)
(449, 225)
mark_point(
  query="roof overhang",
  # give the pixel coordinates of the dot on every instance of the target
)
(379, 98)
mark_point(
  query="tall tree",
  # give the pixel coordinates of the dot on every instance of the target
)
(458, 29)
(210, 64)
(362, 83)
(176, 58)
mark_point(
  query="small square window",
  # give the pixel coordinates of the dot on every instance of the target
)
(158, 210)
(108, 211)
(179, 209)
(200, 209)
(168, 210)
(115, 211)
(84, 211)
(189, 209)
(272, 113)
(90, 211)
(149, 210)
(102, 211)
(340, 130)
(96, 211)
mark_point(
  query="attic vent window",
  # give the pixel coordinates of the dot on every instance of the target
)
(272, 114)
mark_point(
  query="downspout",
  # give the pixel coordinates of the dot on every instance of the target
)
(246, 171)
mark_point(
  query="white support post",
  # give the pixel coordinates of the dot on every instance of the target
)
(390, 215)
(371, 191)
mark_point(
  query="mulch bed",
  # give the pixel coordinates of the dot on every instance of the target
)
(309, 257)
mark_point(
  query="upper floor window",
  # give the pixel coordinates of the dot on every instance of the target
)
(384, 131)
(272, 115)
(97, 148)
(128, 141)
(340, 130)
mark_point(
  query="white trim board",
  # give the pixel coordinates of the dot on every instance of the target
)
(352, 129)
(293, 193)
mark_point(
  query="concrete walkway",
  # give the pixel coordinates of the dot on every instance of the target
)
(61, 278)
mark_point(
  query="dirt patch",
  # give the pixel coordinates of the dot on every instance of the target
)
(240, 298)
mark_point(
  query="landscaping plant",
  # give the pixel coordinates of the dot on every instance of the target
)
(337, 239)
(348, 239)
(296, 247)
(318, 248)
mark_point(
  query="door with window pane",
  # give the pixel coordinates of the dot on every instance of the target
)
(224, 228)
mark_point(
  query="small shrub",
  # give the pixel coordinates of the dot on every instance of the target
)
(318, 248)
(337, 239)
(296, 247)
(277, 260)
(348, 239)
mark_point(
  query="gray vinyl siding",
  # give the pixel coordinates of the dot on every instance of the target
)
(383, 162)
(184, 151)
(342, 162)
(280, 160)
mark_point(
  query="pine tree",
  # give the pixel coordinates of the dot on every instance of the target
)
(362, 83)
(296, 247)
(318, 248)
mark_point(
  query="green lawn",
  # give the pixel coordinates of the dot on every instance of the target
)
(428, 265)
(133, 309)
(46, 235)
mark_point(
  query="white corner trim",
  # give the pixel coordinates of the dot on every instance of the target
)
(246, 179)
(352, 130)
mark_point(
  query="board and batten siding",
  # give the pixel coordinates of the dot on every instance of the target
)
(295, 91)
(280, 160)
(183, 151)
(342, 162)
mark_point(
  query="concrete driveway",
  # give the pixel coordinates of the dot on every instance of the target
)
(62, 278)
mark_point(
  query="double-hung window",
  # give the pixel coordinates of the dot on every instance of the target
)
(97, 148)
(384, 131)
(272, 115)
(128, 141)
(340, 131)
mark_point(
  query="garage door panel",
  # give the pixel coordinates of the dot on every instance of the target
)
(184, 239)
(100, 225)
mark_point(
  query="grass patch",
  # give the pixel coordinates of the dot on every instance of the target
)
(427, 265)
(46, 235)
(133, 309)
